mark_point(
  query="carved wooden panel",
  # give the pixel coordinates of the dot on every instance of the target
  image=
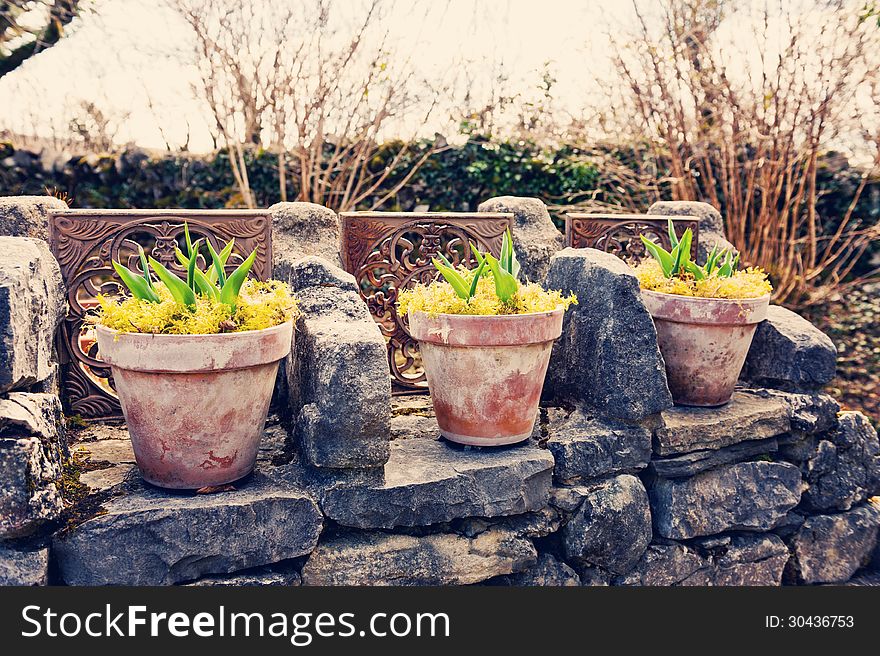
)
(391, 251)
(619, 233)
(85, 241)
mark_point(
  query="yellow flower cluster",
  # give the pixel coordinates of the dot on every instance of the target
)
(260, 305)
(440, 298)
(747, 283)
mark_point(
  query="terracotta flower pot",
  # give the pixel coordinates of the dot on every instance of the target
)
(485, 373)
(704, 342)
(195, 405)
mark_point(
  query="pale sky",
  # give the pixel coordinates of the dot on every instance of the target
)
(130, 50)
(127, 55)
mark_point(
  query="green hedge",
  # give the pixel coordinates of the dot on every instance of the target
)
(454, 178)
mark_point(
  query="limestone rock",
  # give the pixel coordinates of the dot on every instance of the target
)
(412, 416)
(27, 216)
(664, 565)
(535, 238)
(338, 386)
(434, 559)
(789, 353)
(429, 482)
(151, 537)
(271, 575)
(830, 548)
(585, 447)
(746, 417)
(23, 567)
(688, 464)
(548, 571)
(612, 527)
(709, 217)
(303, 229)
(313, 271)
(750, 496)
(607, 357)
(32, 304)
(737, 560)
(744, 560)
(808, 413)
(845, 468)
(711, 224)
(31, 457)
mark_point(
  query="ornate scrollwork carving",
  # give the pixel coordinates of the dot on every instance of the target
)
(85, 241)
(389, 252)
(619, 233)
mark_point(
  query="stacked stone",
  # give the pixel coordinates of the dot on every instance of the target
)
(773, 487)
(368, 499)
(32, 444)
(615, 487)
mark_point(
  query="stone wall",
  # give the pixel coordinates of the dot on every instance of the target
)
(353, 486)
(33, 448)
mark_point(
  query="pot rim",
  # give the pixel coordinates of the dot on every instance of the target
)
(240, 333)
(696, 310)
(508, 317)
(698, 299)
(486, 330)
(152, 352)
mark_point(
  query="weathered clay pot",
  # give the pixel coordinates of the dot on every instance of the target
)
(485, 373)
(195, 405)
(704, 342)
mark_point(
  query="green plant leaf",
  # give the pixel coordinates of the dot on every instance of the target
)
(476, 253)
(684, 249)
(206, 287)
(673, 238)
(189, 244)
(505, 284)
(660, 254)
(229, 291)
(710, 261)
(191, 266)
(453, 277)
(217, 263)
(144, 266)
(695, 270)
(135, 283)
(181, 258)
(477, 275)
(180, 291)
(506, 250)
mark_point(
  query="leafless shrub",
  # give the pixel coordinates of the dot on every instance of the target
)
(741, 121)
(316, 83)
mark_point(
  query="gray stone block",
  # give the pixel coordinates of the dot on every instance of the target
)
(32, 451)
(27, 216)
(428, 482)
(535, 238)
(747, 496)
(436, 559)
(585, 447)
(831, 548)
(746, 417)
(300, 230)
(338, 386)
(151, 537)
(23, 567)
(607, 357)
(32, 304)
(789, 353)
(612, 526)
